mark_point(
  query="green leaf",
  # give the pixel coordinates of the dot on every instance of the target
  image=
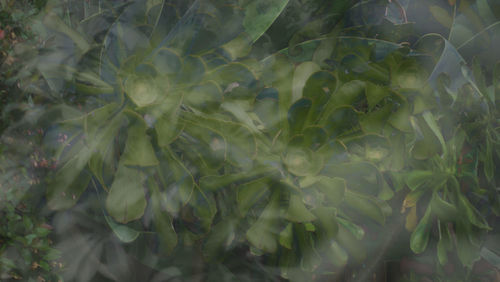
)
(250, 193)
(145, 90)
(337, 255)
(356, 230)
(297, 115)
(401, 118)
(286, 236)
(161, 219)
(468, 251)
(349, 243)
(327, 221)
(303, 161)
(333, 188)
(472, 213)
(138, 149)
(441, 15)
(444, 244)
(260, 14)
(126, 200)
(374, 94)
(297, 211)
(420, 236)
(263, 234)
(300, 76)
(123, 232)
(219, 240)
(444, 210)
(180, 181)
(420, 178)
(366, 205)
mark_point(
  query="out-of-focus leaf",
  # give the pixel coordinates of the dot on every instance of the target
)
(286, 236)
(126, 200)
(337, 255)
(297, 211)
(468, 251)
(327, 221)
(297, 115)
(263, 234)
(444, 210)
(123, 232)
(249, 193)
(420, 237)
(441, 15)
(333, 188)
(161, 219)
(259, 15)
(300, 76)
(349, 243)
(472, 213)
(365, 205)
(138, 149)
(219, 240)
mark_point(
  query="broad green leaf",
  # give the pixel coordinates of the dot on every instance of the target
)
(204, 207)
(444, 244)
(180, 182)
(238, 47)
(126, 200)
(138, 149)
(375, 121)
(420, 236)
(286, 236)
(441, 15)
(375, 93)
(297, 211)
(145, 90)
(220, 239)
(68, 184)
(260, 14)
(337, 255)
(365, 205)
(340, 121)
(310, 260)
(123, 232)
(161, 219)
(250, 193)
(444, 210)
(468, 251)
(263, 234)
(303, 161)
(401, 118)
(418, 178)
(356, 230)
(333, 188)
(54, 22)
(347, 94)
(297, 115)
(300, 76)
(472, 213)
(327, 221)
(349, 243)
(166, 61)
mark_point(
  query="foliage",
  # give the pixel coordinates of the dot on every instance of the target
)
(283, 135)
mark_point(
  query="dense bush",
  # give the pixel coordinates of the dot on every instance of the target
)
(252, 140)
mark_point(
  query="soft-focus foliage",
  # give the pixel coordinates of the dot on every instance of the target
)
(254, 139)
